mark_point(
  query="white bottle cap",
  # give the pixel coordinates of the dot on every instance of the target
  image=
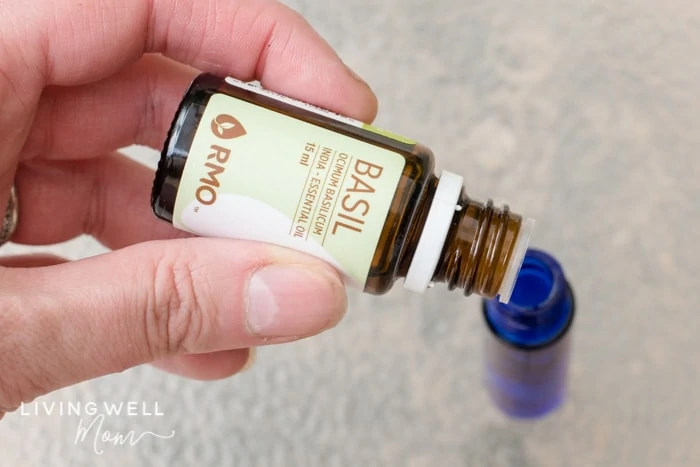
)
(432, 239)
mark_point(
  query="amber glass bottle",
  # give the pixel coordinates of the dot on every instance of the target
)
(243, 162)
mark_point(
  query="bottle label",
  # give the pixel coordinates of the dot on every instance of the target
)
(317, 110)
(256, 174)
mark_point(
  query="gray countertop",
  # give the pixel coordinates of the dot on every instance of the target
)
(583, 115)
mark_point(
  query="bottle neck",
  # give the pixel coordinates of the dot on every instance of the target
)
(541, 308)
(480, 248)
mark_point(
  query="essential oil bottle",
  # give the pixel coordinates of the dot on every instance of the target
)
(528, 341)
(246, 163)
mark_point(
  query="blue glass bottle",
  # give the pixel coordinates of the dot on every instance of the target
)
(528, 341)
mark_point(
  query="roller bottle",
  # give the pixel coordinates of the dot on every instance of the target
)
(528, 341)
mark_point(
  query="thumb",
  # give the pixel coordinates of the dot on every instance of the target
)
(67, 323)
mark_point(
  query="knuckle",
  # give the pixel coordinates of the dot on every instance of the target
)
(95, 222)
(283, 25)
(42, 136)
(16, 99)
(273, 25)
(178, 318)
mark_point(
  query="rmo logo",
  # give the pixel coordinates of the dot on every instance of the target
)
(227, 126)
(224, 127)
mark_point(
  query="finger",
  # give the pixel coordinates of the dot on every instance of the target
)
(64, 324)
(31, 261)
(210, 366)
(75, 43)
(83, 121)
(253, 39)
(107, 198)
(87, 121)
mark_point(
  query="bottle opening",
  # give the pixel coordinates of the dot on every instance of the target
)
(534, 286)
(540, 306)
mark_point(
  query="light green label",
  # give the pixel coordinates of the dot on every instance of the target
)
(256, 174)
(388, 134)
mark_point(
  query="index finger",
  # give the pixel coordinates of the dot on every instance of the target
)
(81, 42)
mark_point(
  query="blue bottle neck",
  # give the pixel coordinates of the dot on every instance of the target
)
(541, 307)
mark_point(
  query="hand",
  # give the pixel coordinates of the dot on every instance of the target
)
(78, 81)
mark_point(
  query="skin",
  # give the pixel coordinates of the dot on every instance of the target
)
(78, 81)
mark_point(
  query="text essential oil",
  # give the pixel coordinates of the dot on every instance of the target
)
(528, 343)
(242, 162)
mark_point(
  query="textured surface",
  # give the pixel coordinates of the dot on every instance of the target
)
(584, 115)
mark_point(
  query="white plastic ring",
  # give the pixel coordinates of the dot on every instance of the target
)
(432, 239)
